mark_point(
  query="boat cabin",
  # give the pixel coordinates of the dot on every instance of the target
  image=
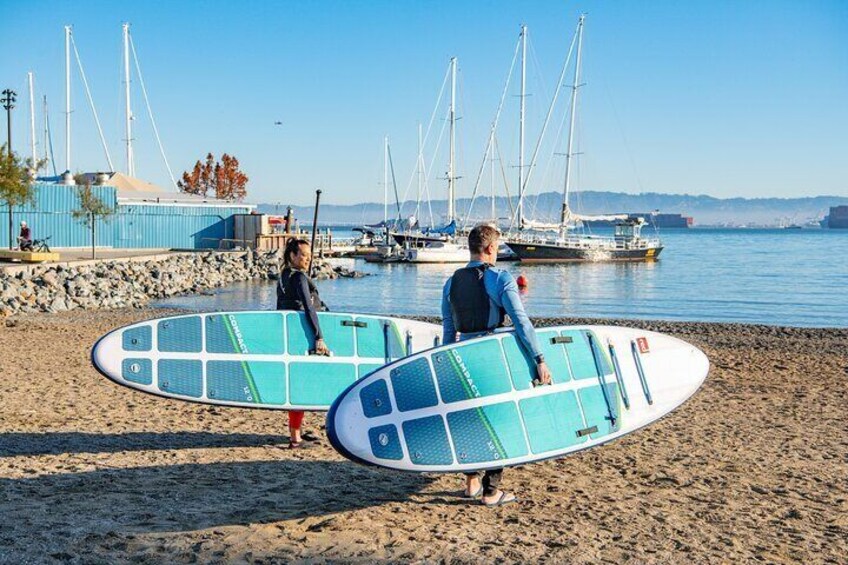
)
(629, 229)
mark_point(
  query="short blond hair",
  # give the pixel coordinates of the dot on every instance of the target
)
(482, 236)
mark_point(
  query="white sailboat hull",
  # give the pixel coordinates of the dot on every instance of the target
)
(439, 253)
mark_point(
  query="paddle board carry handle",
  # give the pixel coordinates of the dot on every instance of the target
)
(386, 341)
(617, 368)
(637, 359)
(592, 346)
(586, 431)
(561, 339)
(354, 323)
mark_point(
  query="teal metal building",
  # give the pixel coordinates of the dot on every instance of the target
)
(141, 220)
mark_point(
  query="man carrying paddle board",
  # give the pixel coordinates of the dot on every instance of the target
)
(475, 302)
(296, 291)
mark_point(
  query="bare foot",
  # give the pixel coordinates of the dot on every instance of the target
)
(473, 487)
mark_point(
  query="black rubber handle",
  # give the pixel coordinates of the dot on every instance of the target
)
(355, 323)
(587, 431)
(561, 339)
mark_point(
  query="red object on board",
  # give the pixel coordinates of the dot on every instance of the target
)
(642, 343)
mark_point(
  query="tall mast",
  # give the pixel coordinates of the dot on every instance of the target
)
(521, 126)
(420, 172)
(385, 181)
(451, 177)
(570, 154)
(32, 121)
(492, 172)
(67, 98)
(128, 110)
(46, 146)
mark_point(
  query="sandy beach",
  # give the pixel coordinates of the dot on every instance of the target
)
(754, 468)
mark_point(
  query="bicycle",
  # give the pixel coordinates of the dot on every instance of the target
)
(40, 245)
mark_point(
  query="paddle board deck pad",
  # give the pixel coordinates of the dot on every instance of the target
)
(256, 359)
(472, 405)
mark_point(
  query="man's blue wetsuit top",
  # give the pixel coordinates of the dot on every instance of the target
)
(503, 295)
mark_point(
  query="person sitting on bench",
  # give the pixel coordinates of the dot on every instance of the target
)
(25, 238)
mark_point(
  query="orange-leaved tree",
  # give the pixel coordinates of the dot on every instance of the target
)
(222, 179)
(230, 182)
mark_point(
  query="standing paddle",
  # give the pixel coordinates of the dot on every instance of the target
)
(314, 230)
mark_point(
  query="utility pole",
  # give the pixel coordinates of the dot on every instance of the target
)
(8, 101)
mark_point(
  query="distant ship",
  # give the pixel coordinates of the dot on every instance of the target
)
(838, 217)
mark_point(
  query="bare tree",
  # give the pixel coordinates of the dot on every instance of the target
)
(91, 207)
(15, 184)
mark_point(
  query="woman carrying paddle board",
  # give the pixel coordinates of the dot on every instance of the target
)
(475, 301)
(296, 291)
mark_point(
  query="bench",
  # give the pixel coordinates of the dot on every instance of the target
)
(28, 256)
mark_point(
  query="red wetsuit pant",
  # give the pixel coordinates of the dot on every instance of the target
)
(295, 419)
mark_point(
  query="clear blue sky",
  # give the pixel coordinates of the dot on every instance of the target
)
(702, 97)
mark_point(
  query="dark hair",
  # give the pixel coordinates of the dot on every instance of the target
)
(292, 247)
(481, 236)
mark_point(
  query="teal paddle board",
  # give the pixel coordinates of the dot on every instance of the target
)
(256, 359)
(473, 405)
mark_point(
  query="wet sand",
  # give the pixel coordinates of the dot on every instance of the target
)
(753, 468)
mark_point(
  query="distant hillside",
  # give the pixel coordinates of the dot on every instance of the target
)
(707, 210)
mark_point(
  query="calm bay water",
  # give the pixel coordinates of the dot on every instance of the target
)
(780, 277)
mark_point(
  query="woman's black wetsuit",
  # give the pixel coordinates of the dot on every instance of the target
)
(296, 291)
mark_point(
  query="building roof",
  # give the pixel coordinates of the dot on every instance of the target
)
(179, 198)
(130, 190)
(126, 183)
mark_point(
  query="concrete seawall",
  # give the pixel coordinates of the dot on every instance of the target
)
(132, 281)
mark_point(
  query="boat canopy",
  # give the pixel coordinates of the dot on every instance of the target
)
(540, 226)
(449, 229)
(599, 218)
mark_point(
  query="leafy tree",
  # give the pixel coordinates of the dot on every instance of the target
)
(15, 184)
(91, 207)
(223, 179)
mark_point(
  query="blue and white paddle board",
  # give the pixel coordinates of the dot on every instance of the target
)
(256, 359)
(472, 405)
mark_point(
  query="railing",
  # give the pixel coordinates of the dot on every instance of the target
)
(593, 242)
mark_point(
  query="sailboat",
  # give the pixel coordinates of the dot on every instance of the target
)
(538, 242)
(442, 245)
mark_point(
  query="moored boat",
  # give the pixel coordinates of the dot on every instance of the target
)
(626, 245)
(554, 243)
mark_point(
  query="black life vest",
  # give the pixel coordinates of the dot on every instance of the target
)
(470, 303)
(287, 296)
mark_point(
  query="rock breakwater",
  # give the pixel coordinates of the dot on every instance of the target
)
(132, 282)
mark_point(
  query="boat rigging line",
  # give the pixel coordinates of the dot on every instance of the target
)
(426, 137)
(149, 110)
(48, 140)
(90, 99)
(522, 189)
(492, 132)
